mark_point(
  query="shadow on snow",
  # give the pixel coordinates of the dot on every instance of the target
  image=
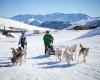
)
(4, 62)
(59, 66)
(48, 63)
(39, 57)
(55, 64)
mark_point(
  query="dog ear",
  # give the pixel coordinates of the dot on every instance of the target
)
(66, 48)
(12, 48)
(75, 45)
(60, 48)
(81, 45)
(87, 48)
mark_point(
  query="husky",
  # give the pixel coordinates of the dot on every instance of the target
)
(58, 53)
(84, 52)
(67, 55)
(72, 50)
(17, 56)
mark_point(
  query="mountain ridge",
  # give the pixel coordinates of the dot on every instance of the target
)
(52, 17)
(56, 20)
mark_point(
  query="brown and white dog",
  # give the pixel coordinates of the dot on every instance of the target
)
(67, 55)
(84, 52)
(72, 51)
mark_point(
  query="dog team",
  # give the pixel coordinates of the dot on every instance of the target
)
(69, 53)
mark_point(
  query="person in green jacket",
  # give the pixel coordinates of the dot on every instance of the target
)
(48, 39)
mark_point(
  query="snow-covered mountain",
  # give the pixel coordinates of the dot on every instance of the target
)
(42, 20)
(32, 21)
(93, 22)
(56, 24)
(51, 17)
(88, 23)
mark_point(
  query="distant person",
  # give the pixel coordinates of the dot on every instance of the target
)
(22, 40)
(48, 41)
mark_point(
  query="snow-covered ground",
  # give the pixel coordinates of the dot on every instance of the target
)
(41, 67)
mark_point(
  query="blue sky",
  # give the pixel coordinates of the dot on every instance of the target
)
(9, 8)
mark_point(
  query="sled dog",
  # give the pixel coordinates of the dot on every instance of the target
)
(17, 56)
(84, 52)
(67, 55)
(58, 53)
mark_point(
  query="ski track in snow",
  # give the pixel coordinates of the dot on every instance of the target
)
(41, 67)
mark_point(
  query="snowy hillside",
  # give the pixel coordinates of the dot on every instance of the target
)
(41, 67)
(92, 33)
(11, 23)
(90, 22)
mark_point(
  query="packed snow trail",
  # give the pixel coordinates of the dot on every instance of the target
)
(41, 67)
